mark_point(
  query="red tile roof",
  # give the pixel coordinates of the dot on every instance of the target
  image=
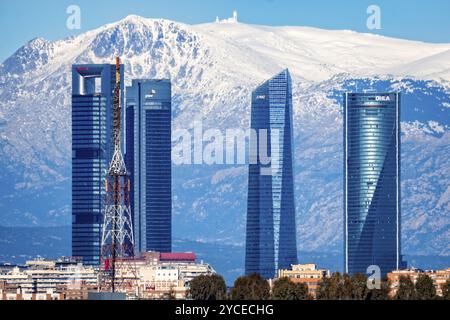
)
(177, 256)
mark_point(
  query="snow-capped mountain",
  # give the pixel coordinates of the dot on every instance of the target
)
(213, 68)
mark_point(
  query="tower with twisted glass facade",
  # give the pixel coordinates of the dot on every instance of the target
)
(271, 229)
(372, 182)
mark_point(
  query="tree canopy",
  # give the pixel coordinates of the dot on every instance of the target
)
(285, 289)
(406, 289)
(446, 290)
(208, 287)
(425, 289)
(345, 287)
(251, 287)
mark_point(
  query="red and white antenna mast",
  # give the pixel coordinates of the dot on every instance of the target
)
(117, 243)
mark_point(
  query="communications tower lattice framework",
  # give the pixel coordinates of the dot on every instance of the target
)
(117, 243)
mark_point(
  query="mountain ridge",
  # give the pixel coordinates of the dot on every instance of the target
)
(214, 68)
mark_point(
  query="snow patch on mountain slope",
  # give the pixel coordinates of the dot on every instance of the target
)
(317, 54)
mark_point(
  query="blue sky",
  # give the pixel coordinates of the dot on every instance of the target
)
(23, 20)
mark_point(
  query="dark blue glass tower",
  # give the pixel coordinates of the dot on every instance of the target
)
(271, 230)
(372, 182)
(148, 157)
(92, 96)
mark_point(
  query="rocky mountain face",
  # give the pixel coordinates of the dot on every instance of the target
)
(213, 69)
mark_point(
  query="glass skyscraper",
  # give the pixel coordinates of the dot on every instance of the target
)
(148, 157)
(372, 182)
(92, 97)
(271, 230)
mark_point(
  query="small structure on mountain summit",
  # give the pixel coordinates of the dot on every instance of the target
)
(233, 19)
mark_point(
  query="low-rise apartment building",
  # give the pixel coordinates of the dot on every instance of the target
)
(439, 278)
(308, 274)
